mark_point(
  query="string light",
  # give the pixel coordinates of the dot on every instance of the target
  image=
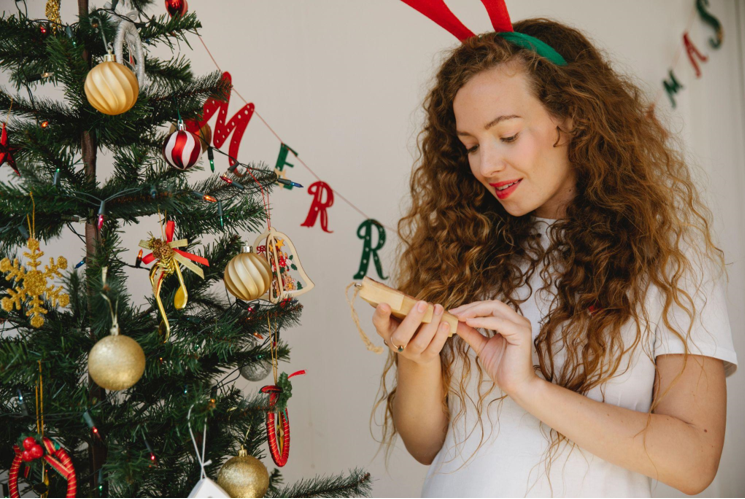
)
(92, 425)
(21, 402)
(56, 177)
(288, 182)
(211, 156)
(68, 30)
(24, 231)
(101, 212)
(153, 192)
(100, 482)
(209, 199)
(138, 262)
(39, 76)
(219, 212)
(45, 124)
(230, 182)
(147, 444)
(80, 263)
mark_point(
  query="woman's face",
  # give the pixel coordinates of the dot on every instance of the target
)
(510, 136)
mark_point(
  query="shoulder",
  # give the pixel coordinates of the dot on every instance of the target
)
(688, 307)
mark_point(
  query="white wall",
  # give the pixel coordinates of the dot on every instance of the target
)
(342, 82)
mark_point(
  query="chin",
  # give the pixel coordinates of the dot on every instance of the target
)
(516, 211)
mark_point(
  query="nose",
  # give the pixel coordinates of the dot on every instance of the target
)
(492, 161)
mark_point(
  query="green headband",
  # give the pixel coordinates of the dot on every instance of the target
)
(532, 43)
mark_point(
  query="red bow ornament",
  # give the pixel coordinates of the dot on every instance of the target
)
(55, 456)
(168, 257)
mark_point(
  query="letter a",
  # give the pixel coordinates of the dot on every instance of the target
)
(691, 50)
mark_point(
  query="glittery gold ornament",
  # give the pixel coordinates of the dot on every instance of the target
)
(111, 87)
(248, 275)
(34, 281)
(244, 476)
(116, 362)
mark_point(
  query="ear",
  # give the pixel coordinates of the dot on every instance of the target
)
(568, 125)
(565, 128)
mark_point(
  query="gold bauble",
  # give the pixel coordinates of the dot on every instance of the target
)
(204, 135)
(116, 362)
(111, 87)
(244, 476)
(248, 275)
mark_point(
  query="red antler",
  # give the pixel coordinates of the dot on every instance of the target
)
(442, 15)
(498, 15)
(439, 12)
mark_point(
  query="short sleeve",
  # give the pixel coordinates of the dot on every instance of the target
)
(711, 334)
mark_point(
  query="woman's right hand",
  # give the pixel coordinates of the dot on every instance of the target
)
(422, 342)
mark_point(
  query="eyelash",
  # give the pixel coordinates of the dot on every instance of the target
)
(507, 140)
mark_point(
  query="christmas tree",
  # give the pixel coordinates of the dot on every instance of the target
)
(99, 396)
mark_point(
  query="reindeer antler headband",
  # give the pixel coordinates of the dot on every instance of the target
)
(437, 11)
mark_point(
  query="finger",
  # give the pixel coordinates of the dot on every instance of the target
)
(471, 336)
(489, 309)
(511, 332)
(409, 324)
(438, 342)
(463, 307)
(508, 311)
(426, 332)
(385, 324)
(479, 309)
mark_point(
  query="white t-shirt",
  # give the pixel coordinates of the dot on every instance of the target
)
(511, 461)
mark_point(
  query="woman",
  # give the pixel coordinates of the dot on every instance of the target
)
(557, 212)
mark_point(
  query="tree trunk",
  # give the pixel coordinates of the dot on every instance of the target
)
(88, 149)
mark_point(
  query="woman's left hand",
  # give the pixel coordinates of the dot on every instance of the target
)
(507, 356)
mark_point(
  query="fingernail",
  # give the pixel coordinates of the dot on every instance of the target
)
(438, 309)
(445, 326)
(421, 306)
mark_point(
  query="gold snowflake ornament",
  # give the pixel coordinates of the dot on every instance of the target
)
(34, 283)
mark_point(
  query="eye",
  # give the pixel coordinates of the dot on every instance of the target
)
(507, 140)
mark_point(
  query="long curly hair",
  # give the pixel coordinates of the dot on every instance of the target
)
(636, 216)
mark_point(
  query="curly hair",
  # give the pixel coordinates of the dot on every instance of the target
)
(636, 213)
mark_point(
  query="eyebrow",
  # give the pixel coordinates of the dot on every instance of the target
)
(492, 123)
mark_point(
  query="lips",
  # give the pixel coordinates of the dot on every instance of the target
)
(506, 182)
(504, 189)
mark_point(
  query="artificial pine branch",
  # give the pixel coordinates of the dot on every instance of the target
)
(357, 484)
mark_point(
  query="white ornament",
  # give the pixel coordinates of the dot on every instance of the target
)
(127, 31)
(207, 488)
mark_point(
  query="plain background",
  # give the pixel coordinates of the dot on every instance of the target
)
(341, 82)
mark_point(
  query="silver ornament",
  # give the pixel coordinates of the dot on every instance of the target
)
(257, 370)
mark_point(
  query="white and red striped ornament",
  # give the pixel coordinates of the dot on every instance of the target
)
(182, 149)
